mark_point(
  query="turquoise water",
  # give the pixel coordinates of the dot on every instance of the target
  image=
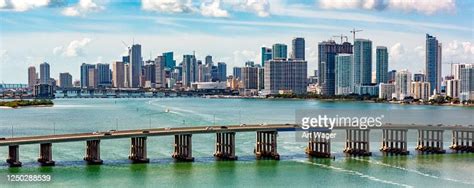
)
(294, 168)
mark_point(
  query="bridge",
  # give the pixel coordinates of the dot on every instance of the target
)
(394, 141)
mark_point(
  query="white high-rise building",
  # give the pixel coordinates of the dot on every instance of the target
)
(467, 82)
(453, 88)
(386, 90)
(420, 90)
(402, 84)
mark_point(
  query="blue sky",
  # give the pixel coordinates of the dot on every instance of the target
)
(68, 33)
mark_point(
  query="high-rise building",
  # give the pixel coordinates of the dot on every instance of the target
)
(118, 74)
(250, 77)
(420, 90)
(419, 77)
(453, 88)
(402, 84)
(279, 51)
(391, 76)
(327, 64)
(44, 73)
(189, 72)
(170, 63)
(32, 77)
(382, 65)
(467, 82)
(343, 74)
(433, 63)
(261, 78)
(222, 71)
(266, 55)
(150, 73)
(135, 53)
(298, 47)
(160, 74)
(104, 76)
(126, 70)
(386, 90)
(285, 76)
(362, 62)
(65, 80)
(92, 78)
(85, 74)
(237, 72)
(456, 70)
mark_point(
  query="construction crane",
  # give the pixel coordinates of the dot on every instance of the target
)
(341, 36)
(354, 31)
(125, 44)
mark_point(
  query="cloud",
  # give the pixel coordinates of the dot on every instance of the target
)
(424, 6)
(259, 7)
(213, 9)
(397, 53)
(23, 5)
(82, 7)
(74, 49)
(168, 6)
(240, 57)
(456, 51)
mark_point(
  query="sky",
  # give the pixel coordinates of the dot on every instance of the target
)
(68, 33)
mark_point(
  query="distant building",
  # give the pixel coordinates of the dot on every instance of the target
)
(250, 77)
(382, 65)
(65, 80)
(104, 76)
(160, 74)
(118, 74)
(237, 72)
(44, 73)
(85, 74)
(433, 63)
(279, 51)
(209, 86)
(266, 55)
(343, 74)
(298, 48)
(467, 82)
(386, 90)
(391, 76)
(327, 64)
(285, 76)
(189, 70)
(43, 91)
(261, 78)
(135, 54)
(419, 77)
(420, 90)
(362, 62)
(92, 76)
(169, 60)
(32, 77)
(453, 88)
(372, 90)
(402, 84)
(222, 71)
(456, 70)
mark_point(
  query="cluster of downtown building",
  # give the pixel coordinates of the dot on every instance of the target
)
(344, 69)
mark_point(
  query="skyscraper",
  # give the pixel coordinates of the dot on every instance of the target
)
(343, 74)
(433, 63)
(189, 73)
(160, 64)
(298, 47)
(402, 84)
(420, 90)
(135, 53)
(327, 64)
(32, 76)
(418, 77)
(250, 77)
(279, 51)
(382, 64)
(285, 76)
(222, 71)
(266, 55)
(44, 73)
(65, 80)
(85, 74)
(104, 77)
(467, 82)
(362, 68)
(391, 76)
(169, 60)
(237, 72)
(118, 74)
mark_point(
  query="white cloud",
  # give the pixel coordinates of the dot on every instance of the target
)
(456, 51)
(242, 56)
(168, 6)
(74, 49)
(213, 9)
(259, 7)
(82, 7)
(424, 6)
(22, 5)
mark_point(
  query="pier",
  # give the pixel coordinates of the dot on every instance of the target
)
(394, 141)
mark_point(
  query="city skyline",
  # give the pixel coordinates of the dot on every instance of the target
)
(234, 39)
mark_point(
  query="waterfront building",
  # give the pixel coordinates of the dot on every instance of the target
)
(169, 61)
(402, 84)
(343, 74)
(32, 76)
(126, 68)
(222, 71)
(381, 65)
(298, 48)
(279, 51)
(456, 70)
(237, 72)
(386, 90)
(118, 74)
(150, 73)
(189, 71)
(372, 90)
(467, 82)
(453, 88)
(433, 63)
(159, 72)
(261, 78)
(362, 68)
(420, 90)
(85, 74)
(104, 76)
(266, 55)
(44, 73)
(233, 83)
(419, 77)
(92, 78)
(65, 80)
(391, 76)
(250, 77)
(327, 64)
(209, 86)
(135, 54)
(285, 76)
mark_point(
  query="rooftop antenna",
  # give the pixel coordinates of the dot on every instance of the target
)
(354, 31)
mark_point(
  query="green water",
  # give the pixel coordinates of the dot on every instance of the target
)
(294, 168)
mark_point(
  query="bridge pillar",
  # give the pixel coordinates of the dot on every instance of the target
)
(394, 141)
(13, 159)
(318, 146)
(357, 142)
(430, 141)
(46, 155)
(225, 146)
(138, 150)
(462, 141)
(93, 152)
(266, 146)
(183, 147)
